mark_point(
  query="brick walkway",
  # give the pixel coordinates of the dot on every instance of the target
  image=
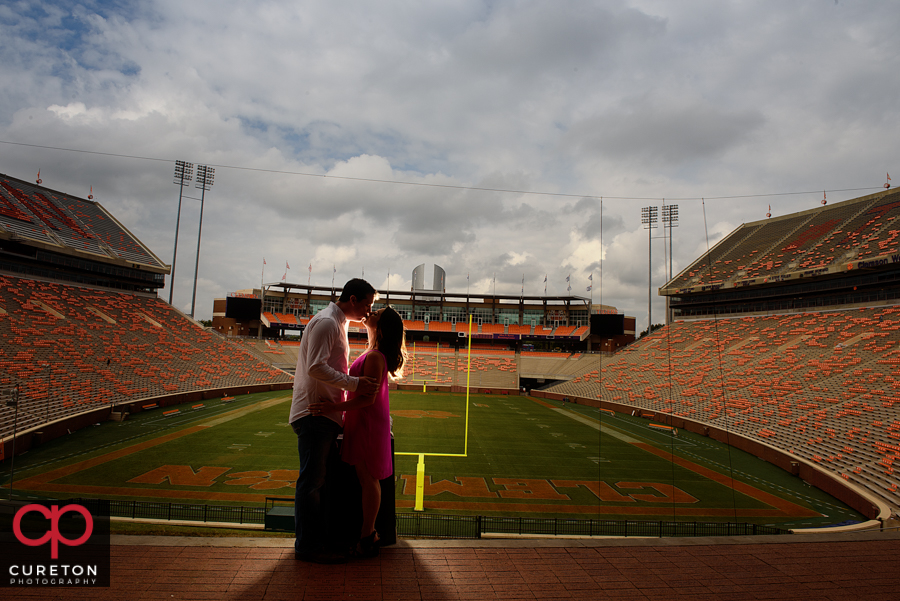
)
(852, 567)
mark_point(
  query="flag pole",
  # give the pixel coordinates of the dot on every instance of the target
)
(262, 277)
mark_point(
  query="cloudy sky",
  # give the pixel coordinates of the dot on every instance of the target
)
(554, 103)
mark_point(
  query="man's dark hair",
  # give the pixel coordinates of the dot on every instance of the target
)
(357, 287)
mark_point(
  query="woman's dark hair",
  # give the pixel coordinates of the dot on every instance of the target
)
(392, 341)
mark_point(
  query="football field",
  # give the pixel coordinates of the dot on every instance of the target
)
(522, 457)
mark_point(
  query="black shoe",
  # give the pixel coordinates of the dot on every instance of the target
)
(367, 547)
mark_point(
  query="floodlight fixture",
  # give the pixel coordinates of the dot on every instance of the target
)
(205, 177)
(670, 220)
(649, 217)
(204, 181)
(670, 214)
(183, 173)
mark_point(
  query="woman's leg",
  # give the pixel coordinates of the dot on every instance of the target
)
(371, 499)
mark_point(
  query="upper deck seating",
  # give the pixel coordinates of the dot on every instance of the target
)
(61, 219)
(862, 227)
(872, 232)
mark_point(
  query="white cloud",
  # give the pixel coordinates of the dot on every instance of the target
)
(518, 258)
(641, 99)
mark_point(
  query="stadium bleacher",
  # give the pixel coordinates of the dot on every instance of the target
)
(823, 386)
(71, 348)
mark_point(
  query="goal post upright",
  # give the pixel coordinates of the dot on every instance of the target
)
(420, 465)
(468, 376)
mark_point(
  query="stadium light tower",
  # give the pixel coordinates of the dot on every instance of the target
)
(205, 176)
(183, 173)
(649, 219)
(670, 220)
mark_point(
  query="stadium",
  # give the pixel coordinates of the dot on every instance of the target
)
(779, 350)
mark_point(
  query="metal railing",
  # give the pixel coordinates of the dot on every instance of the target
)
(150, 510)
(419, 525)
(452, 526)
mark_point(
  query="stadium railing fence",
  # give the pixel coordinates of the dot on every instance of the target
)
(417, 525)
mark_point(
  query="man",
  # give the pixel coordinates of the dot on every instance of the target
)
(322, 375)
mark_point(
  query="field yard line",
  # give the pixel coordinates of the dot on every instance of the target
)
(587, 421)
(227, 417)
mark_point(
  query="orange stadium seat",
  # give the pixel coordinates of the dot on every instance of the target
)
(817, 384)
(414, 324)
(518, 329)
(93, 348)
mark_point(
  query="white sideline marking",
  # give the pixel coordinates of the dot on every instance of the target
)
(595, 425)
(236, 413)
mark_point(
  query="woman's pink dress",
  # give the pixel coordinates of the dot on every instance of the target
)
(367, 431)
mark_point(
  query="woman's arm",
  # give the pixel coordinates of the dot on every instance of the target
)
(373, 367)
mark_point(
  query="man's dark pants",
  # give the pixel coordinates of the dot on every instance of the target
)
(316, 441)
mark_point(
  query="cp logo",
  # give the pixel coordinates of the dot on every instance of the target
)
(53, 535)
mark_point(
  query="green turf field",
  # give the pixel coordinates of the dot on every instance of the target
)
(525, 457)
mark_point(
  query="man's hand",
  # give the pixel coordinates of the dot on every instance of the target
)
(319, 407)
(366, 386)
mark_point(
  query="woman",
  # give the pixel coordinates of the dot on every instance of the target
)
(367, 419)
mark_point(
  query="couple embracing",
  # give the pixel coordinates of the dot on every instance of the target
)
(330, 398)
